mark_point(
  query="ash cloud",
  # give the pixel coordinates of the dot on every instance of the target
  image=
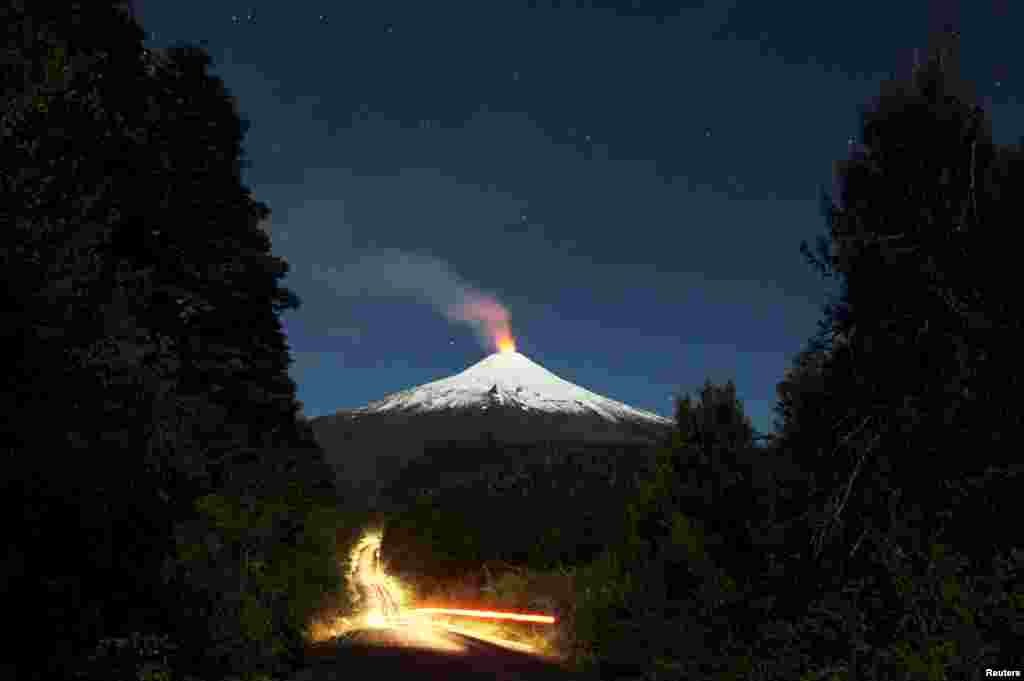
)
(391, 273)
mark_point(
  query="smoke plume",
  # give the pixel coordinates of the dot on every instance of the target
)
(391, 272)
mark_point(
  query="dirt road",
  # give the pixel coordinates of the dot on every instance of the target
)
(392, 653)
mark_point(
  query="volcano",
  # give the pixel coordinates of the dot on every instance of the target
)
(505, 398)
(513, 381)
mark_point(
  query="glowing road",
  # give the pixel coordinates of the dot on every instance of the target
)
(395, 641)
(383, 607)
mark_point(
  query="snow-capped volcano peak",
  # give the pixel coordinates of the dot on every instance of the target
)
(511, 380)
(505, 400)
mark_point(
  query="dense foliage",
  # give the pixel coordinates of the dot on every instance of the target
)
(486, 503)
(145, 363)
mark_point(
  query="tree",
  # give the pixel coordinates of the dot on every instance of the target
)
(145, 343)
(916, 211)
(216, 297)
(896, 407)
(73, 379)
(717, 423)
(697, 539)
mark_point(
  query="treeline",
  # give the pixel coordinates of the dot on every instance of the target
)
(878, 535)
(166, 509)
(512, 489)
(493, 468)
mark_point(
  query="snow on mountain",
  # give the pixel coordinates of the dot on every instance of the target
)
(512, 381)
(505, 398)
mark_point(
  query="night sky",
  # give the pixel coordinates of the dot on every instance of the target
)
(631, 181)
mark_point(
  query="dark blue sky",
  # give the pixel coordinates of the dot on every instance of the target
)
(632, 185)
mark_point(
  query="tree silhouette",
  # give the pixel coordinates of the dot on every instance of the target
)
(917, 213)
(145, 349)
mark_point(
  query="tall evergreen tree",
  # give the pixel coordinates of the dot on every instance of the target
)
(717, 421)
(73, 434)
(145, 346)
(916, 212)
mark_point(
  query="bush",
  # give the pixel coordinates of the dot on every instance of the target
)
(268, 563)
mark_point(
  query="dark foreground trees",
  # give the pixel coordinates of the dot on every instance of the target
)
(923, 211)
(146, 370)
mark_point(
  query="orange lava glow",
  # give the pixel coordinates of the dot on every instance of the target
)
(489, 614)
(506, 344)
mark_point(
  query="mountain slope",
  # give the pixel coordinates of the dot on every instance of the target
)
(512, 380)
(505, 397)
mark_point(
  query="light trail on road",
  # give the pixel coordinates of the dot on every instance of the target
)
(505, 643)
(384, 612)
(488, 614)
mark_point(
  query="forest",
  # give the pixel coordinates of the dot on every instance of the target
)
(169, 514)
